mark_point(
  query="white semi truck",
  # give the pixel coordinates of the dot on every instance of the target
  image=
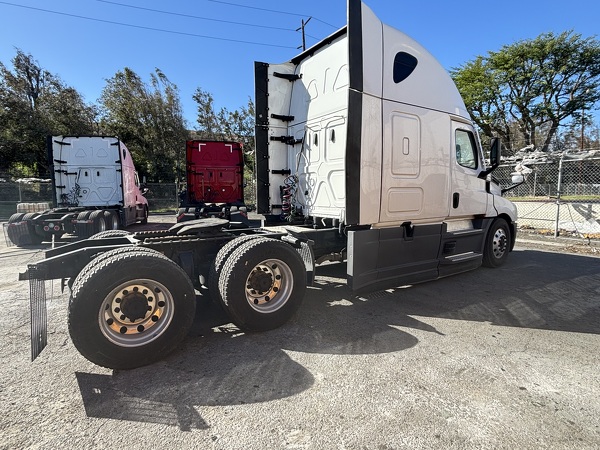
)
(95, 186)
(365, 153)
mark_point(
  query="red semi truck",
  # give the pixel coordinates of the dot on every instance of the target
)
(214, 180)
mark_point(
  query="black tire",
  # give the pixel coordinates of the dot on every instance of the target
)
(110, 233)
(497, 244)
(262, 284)
(32, 238)
(98, 257)
(15, 232)
(84, 215)
(130, 309)
(83, 230)
(14, 235)
(215, 267)
(98, 221)
(16, 217)
(112, 220)
(144, 219)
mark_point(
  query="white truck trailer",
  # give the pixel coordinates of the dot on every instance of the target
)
(95, 186)
(365, 153)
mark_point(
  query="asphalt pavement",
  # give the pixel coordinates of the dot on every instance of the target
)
(495, 358)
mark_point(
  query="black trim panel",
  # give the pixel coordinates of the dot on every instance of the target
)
(388, 257)
(353, 157)
(355, 44)
(261, 86)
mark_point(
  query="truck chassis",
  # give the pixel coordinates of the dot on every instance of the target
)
(133, 295)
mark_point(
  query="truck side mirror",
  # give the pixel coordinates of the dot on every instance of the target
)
(495, 150)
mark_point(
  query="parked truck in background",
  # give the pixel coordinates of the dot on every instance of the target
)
(214, 180)
(95, 188)
(365, 153)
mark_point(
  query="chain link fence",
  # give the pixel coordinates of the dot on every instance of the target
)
(559, 196)
(36, 195)
(12, 193)
(163, 197)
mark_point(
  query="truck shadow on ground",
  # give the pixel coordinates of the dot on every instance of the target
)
(220, 366)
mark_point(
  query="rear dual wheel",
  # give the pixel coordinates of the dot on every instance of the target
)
(111, 219)
(129, 308)
(217, 266)
(32, 238)
(261, 283)
(101, 220)
(98, 221)
(14, 231)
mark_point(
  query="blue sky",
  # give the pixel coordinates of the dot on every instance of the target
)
(84, 52)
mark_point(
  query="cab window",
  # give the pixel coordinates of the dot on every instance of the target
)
(466, 150)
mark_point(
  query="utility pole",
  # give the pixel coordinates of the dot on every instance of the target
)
(582, 126)
(583, 121)
(303, 35)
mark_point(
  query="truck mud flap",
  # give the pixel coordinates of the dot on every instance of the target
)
(83, 228)
(39, 315)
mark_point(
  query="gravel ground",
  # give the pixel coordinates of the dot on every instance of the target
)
(497, 359)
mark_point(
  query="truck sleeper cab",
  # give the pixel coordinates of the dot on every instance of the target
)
(95, 187)
(214, 180)
(364, 153)
(367, 132)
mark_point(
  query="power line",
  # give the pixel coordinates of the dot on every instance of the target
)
(195, 17)
(146, 28)
(272, 10)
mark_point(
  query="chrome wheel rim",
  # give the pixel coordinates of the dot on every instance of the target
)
(269, 286)
(499, 243)
(136, 312)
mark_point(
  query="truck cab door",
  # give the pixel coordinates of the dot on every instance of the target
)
(468, 196)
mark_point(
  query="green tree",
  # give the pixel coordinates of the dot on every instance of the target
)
(235, 125)
(238, 126)
(149, 119)
(34, 104)
(209, 126)
(532, 86)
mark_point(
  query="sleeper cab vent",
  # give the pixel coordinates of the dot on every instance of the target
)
(404, 65)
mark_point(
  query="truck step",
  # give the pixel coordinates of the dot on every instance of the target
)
(463, 257)
(462, 233)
